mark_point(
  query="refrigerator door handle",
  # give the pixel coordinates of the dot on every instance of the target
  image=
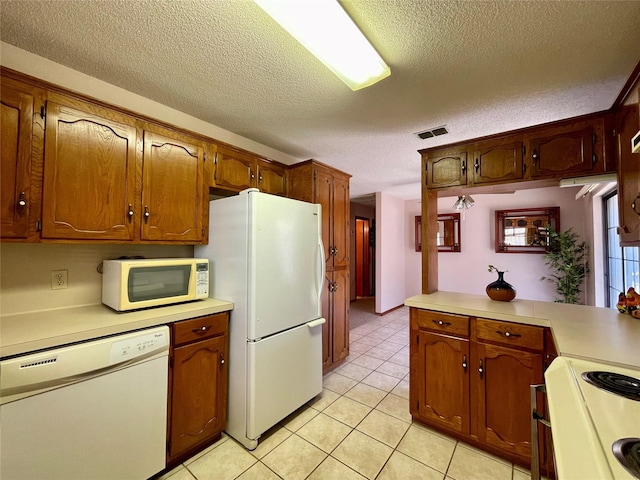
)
(323, 268)
(316, 322)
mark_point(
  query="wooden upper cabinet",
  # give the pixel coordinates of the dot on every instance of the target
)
(234, 170)
(271, 178)
(575, 148)
(89, 185)
(323, 189)
(16, 116)
(173, 194)
(626, 126)
(497, 162)
(445, 169)
(340, 229)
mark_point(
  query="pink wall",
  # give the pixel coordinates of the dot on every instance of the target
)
(466, 271)
(390, 252)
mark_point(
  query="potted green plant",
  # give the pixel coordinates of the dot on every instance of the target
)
(567, 258)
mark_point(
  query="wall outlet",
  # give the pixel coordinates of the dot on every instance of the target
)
(59, 279)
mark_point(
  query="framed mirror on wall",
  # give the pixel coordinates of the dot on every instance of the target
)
(448, 238)
(524, 230)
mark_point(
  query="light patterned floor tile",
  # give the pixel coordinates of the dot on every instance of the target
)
(347, 411)
(467, 463)
(400, 466)
(324, 432)
(369, 340)
(393, 370)
(362, 453)
(366, 361)
(381, 381)
(223, 439)
(354, 371)
(384, 428)
(270, 440)
(322, 401)
(357, 347)
(428, 448)
(400, 358)
(259, 472)
(402, 389)
(366, 394)
(332, 469)
(396, 407)
(224, 462)
(178, 473)
(380, 353)
(298, 418)
(338, 383)
(294, 459)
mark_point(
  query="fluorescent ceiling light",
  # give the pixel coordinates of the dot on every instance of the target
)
(325, 29)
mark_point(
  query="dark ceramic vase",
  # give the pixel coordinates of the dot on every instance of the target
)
(501, 290)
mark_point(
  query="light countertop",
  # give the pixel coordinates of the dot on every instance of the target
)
(28, 332)
(591, 333)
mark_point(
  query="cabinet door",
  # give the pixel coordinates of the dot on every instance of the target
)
(89, 173)
(234, 170)
(502, 397)
(442, 380)
(15, 161)
(497, 163)
(327, 327)
(198, 394)
(271, 178)
(340, 227)
(628, 177)
(447, 169)
(340, 315)
(323, 188)
(173, 201)
(563, 153)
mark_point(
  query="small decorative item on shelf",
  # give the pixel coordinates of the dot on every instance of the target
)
(500, 290)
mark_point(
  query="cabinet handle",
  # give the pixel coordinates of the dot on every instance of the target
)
(635, 202)
(202, 329)
(535, 156)
(251, 174)
(464, 167)
(259, 178)
(507, 334)
(221, 359)
(477, 165)
(22, 201)
(335, 287)
(146, 214)
(441, 323)
(480, 369)
(335, 251)
(464, 363)
(130, 212)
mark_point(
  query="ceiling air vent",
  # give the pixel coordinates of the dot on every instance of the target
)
(434, 132)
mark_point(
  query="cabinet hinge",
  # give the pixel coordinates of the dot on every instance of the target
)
(203, 232)
(594, 139)
(215, 159)
(43, 112)
(171, 361)
(38, 225)
(204, 156)
(417, 339)
(524, 151)
(215, 167)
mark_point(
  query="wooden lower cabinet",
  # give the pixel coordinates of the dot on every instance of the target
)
(197, 385)
(470, 377)
(335, 309)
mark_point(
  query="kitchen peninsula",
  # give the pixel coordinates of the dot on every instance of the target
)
(472, 360)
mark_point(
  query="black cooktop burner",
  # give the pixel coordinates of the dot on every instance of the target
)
(627, 451)
(623, 385)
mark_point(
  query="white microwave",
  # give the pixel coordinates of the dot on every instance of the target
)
(142, 283)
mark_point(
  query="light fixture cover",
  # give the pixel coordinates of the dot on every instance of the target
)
(464, 202)
(325, 29)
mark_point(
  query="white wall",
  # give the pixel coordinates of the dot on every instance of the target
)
(25, 272)
(390, 252)
(413, 259)
(467, 271)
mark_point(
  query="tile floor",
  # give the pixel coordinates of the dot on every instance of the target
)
(358, 427)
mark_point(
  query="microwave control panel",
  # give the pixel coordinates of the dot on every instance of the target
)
(202, 279)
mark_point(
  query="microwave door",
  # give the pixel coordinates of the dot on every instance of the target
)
(150, 283)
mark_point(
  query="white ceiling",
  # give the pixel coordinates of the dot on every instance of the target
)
(479, 67)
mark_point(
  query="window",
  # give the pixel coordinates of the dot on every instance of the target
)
(622, 267)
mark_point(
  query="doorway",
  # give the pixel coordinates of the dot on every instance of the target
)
(365, 257)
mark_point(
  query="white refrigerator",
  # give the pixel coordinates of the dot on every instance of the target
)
(266, 256)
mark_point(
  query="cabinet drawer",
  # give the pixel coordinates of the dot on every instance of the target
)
(198, 328)
(509, 333)
(443, 322)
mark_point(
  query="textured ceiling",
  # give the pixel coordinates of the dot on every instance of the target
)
(479, 67)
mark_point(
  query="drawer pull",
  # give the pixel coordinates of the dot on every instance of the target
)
(507, 334)
(441, 323)
(202, 329)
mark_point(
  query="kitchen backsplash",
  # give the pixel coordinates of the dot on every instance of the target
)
(25, 272)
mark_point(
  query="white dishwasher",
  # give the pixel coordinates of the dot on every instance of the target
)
(93, 410)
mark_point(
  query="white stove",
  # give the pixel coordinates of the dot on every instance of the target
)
(587, 420)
